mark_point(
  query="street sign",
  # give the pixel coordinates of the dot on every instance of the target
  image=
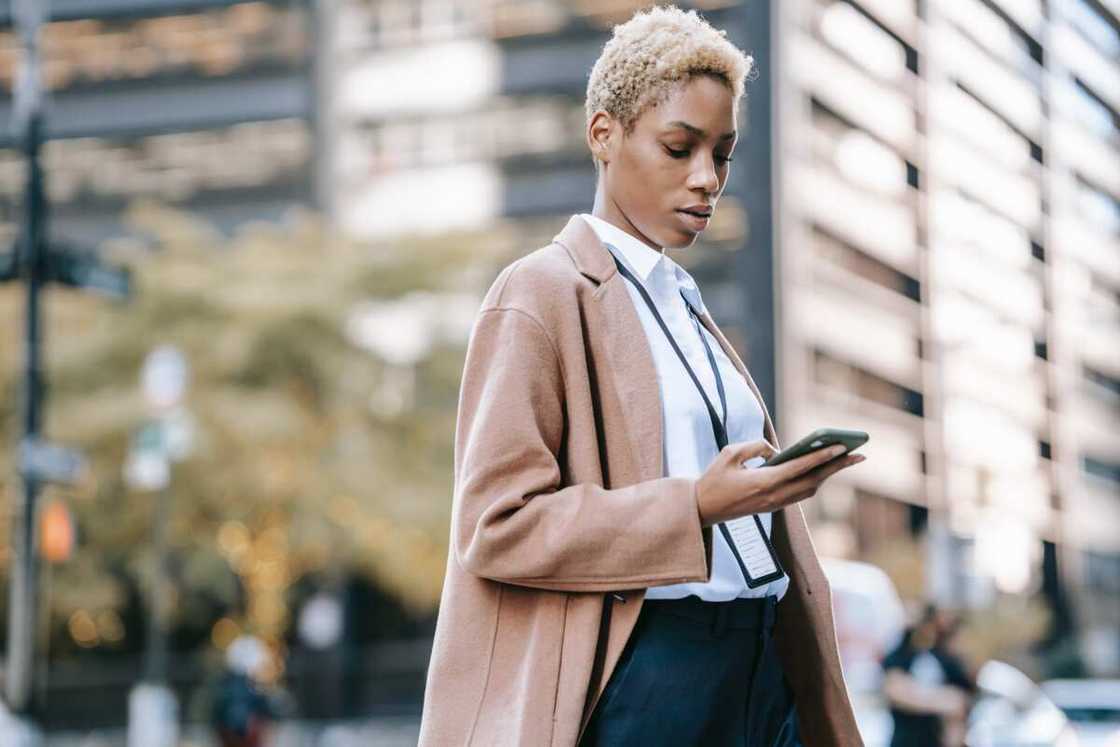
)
(9, 267)
(178, 428)
(147, 467)
(164, 377)
(46, 462)
(77, 269)
(85, 270)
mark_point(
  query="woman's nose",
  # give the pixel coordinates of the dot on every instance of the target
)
(704, 175)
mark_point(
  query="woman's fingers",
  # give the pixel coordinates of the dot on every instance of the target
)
(795, 467)
(742, 491)
(806, 484)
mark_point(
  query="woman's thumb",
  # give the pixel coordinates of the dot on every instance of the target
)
(744, 450)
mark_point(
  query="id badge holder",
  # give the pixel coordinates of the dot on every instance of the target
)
(752, 549)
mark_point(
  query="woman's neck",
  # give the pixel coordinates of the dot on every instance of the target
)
(606, 209)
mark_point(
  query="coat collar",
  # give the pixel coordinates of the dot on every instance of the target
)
(588, 253)
(656, 270)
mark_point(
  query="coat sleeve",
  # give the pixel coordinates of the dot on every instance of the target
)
(513, 521)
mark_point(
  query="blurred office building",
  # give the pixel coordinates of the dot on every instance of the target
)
(203, 105)
(920, 239)
(950, 214)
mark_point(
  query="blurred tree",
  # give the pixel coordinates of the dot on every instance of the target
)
(324, 382)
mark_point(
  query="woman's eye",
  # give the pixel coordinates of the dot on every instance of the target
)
(684, 154)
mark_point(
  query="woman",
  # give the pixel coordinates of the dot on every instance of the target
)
(589, 597)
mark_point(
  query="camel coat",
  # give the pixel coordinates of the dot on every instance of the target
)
(561, 517)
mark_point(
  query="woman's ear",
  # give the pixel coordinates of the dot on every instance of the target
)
(600, 131)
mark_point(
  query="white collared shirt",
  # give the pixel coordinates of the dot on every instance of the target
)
(689, 446)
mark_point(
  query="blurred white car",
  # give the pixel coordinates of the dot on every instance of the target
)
(870, 620)
(1012, 711)
(1092, 706)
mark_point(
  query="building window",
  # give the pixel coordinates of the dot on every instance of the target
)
(1092, 25)
(1100, 468)
(834, 373)
(1099, 207)
(1108, 383)
(1102, 572)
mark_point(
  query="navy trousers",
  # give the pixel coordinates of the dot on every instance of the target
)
(697, 673)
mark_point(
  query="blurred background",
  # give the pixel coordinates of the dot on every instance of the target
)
(268, 227)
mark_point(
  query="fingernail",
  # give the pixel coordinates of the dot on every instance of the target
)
(836, 450)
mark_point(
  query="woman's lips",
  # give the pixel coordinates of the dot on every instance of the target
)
(694, 222)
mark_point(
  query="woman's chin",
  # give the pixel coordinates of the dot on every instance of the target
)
(681, 239)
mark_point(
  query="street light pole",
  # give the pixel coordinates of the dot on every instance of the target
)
(153, 711)
(31, 259)
(35, 262)
(156, 648)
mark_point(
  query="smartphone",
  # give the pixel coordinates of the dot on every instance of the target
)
(819, 439)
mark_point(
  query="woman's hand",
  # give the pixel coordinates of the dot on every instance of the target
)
(727, 490)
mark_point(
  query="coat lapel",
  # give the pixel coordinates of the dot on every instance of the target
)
(634, 374)
(629, 358)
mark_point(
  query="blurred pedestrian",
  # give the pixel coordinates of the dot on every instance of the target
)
(927, 685)
(603, 429)
(240, 710)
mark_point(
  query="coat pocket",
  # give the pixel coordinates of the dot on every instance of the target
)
(519, 704)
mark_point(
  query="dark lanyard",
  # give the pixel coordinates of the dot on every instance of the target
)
(719, 425)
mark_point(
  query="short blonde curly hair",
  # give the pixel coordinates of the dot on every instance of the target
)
(651, 53)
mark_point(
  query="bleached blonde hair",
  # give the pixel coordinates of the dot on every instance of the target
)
(650, 54)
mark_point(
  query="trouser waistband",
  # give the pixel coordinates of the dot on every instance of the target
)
(744, 612)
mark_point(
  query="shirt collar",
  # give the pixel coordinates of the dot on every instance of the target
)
(689, 288)
(643, 259)
(640, 257)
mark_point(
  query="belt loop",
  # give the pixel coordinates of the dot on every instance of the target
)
(719, 622)
(771, 612)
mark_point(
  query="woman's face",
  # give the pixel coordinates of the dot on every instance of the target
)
(674, 162)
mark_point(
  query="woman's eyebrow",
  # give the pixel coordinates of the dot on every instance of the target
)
(699, 132)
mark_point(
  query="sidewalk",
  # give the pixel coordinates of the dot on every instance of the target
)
(394, 731)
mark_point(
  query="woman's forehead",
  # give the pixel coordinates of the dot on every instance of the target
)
(701, 107)
(698, 131)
